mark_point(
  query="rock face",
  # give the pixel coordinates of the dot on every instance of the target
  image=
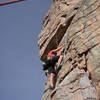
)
(76, 24)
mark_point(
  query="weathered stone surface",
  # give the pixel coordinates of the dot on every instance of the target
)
(76, 24)
(76, 86)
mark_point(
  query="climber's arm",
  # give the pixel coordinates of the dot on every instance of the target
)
(59, 48)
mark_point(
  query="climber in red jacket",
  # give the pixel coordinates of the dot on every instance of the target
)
(54, 58)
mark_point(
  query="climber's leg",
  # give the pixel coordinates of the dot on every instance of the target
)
(52, 80)
(52, 76)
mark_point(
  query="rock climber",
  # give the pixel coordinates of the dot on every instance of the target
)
(54, 58)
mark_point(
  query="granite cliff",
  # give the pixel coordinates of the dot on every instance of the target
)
(76, 25)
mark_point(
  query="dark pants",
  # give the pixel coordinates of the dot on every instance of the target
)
(51, 68)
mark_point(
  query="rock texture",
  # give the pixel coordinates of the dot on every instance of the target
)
(76, 24)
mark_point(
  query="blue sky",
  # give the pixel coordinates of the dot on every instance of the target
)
(21, 77)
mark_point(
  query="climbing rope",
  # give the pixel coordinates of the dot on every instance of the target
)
(65, 49)
(67, 42)
(56, 37)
